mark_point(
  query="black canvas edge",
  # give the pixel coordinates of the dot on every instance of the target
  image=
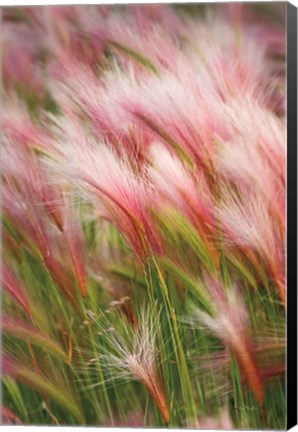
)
(291, 215)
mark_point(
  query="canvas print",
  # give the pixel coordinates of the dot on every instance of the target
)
(143, 215)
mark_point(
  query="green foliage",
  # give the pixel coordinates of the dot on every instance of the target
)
(80, 387)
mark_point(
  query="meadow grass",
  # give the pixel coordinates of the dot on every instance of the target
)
(143, 172)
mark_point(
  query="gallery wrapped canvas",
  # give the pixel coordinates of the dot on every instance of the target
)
(145, 275)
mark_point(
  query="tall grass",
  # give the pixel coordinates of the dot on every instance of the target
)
(143, 174)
